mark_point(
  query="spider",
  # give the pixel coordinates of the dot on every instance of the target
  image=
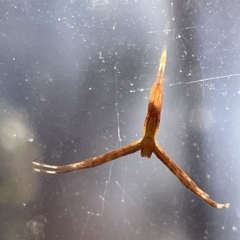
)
(147, 145)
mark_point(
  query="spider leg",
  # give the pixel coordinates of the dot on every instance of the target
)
(184, 178)
(91, 162)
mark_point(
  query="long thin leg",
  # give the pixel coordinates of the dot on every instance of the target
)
(91, 162)
(184, 178)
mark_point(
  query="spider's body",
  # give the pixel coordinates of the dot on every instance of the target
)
(152, 120)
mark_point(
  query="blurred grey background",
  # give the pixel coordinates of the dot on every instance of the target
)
(74, 83)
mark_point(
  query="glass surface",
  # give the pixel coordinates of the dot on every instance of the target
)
(74, 83)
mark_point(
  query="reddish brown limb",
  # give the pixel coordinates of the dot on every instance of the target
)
(91, 162)
(184, 178)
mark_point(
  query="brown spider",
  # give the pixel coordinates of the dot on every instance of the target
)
(147, 145)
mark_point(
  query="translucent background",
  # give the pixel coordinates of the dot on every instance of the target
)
(74, 83)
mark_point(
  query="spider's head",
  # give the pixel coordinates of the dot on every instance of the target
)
(147, 147)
